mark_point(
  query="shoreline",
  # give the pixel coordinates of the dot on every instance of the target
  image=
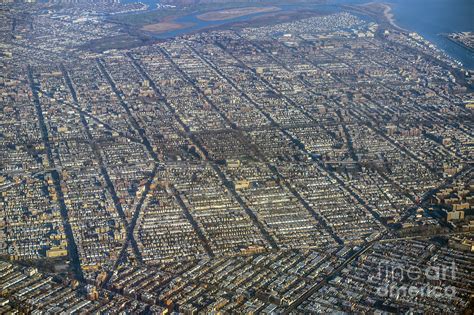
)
(390, 17)
(387, 12)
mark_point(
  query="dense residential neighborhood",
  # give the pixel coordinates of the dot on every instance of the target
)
(264, 169)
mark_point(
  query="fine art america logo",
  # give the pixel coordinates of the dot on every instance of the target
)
(413, 281)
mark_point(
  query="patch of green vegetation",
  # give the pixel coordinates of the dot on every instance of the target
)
(143, 18)
(138, 19)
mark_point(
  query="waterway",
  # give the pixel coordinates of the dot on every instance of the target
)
(429, 18)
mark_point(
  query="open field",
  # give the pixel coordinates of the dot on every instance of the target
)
(162, 27)
(234, 13)
(139, 19)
